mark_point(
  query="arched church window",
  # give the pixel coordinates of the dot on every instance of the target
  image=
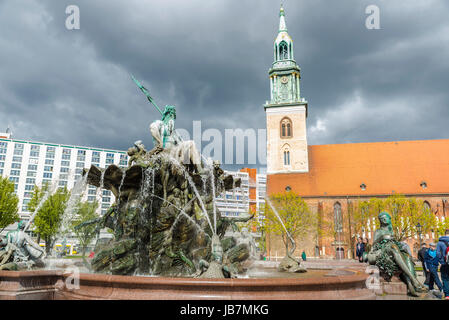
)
(283, 51)
(286, 158)
(338, 220)
(427, 208)
(286, 128)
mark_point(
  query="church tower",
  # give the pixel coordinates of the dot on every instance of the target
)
(286, 112)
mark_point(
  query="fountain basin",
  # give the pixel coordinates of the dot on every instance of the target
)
(51, 285)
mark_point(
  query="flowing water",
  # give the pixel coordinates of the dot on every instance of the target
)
(70, 211)
(195, 190)
(51, 189)
(279, 218)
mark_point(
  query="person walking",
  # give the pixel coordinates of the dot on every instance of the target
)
(421, 257)
(360, 248)
(367, 245)
(443, 243)
(431, 262)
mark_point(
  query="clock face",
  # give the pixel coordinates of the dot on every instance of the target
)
(284, 79)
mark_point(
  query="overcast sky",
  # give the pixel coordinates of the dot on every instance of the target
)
(211, 58)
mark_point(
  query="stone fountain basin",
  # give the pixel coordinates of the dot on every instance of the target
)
(51, 285)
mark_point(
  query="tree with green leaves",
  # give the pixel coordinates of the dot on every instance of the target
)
(49, 215)
(294, 215)
(405, 214)
(8, 203)
(85, 211)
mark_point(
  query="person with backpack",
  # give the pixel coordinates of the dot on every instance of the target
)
(421, 257)
(431, 262)
(442, 254)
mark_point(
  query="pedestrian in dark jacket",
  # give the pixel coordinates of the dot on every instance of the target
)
(366, 245)
(442, 244)
(421, 255)
(431, 263)
(360, 248)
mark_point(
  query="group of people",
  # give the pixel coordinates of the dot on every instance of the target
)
(362, 246)
(431, 257)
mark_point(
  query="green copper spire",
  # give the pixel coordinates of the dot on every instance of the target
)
(282, 25)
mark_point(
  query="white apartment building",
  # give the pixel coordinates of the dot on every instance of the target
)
(261, 191)
(235, 202)
(30, 163)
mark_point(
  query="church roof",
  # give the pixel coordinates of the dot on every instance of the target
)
(401, 167)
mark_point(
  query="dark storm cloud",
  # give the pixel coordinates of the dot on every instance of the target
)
(211, 58)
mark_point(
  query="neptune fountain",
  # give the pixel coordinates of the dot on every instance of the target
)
(165, 221)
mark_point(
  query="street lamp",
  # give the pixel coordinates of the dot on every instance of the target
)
(419, 229)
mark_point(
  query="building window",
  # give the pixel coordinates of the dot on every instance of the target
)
(65, 163)
(64, 169)
(32, 167)
(286, 158)
(286, 128)
(80, 164)
(426, 206)
(66, 151)
(31, 180)
(283, 50)
(27, 194)
(3, 158)
(49, 162)
(17, 152)
(15, 165)
(18, 146)
(48, 168)
(15, 173)
(338, 221)
(31, 174)
(47, 174)
(66, 157)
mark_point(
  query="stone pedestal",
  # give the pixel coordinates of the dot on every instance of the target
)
(394, 287)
